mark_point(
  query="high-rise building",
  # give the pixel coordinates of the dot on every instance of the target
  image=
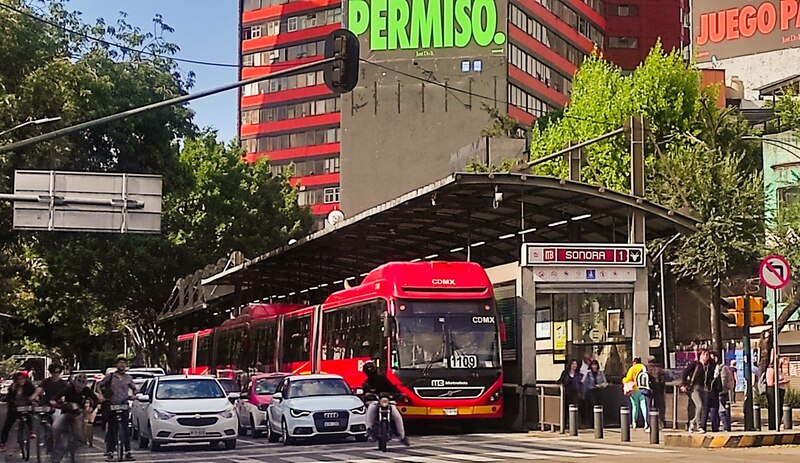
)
(431, 69)
(291, 120)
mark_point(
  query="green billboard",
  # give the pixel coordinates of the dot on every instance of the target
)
(426, 24)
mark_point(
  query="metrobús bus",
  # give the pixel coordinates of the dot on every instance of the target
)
(194, 351)
(431, 327)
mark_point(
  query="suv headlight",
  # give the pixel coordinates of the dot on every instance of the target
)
(298, 413)
(162, 414)
(359, 410)
(227, 414)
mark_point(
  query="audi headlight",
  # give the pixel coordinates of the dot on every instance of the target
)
(298, 413)
(227, 414)
(359, 410)
(162, 414)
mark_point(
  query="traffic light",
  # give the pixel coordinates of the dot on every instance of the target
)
(733, 311)
(341, 75)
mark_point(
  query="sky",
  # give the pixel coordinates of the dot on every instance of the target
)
(204, 30)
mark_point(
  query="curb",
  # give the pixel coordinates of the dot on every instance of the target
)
(731, 440)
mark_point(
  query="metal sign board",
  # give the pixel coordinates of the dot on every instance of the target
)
(583, 254)
(775, 272)
(87, 202)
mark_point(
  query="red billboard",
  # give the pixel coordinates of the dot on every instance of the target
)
(729, 28)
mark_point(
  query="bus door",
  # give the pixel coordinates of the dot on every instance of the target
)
(316, 339)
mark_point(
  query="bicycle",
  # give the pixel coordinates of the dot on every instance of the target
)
(23, 431)
(119, 410)
(42, 429)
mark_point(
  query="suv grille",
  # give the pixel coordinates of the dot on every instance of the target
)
(203, 421)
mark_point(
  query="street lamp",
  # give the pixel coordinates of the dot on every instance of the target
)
(44, 120)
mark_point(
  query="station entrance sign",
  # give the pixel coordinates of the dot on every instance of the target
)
(583, 254)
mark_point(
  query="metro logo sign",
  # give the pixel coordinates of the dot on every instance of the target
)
(744, 28)
(596, 255)
(425, 24)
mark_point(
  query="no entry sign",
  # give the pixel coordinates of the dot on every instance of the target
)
(775, 272)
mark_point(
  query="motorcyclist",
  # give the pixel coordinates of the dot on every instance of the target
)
(76, 399)
(377, 383)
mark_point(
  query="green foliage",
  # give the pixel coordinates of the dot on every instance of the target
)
(503, 125)
(73, 291)
(787, 110)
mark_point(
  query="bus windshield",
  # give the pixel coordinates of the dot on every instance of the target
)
(462, 335)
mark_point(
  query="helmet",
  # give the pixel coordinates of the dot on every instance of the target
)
(20, 374)
(369, 368)
(55, 367)
(80, 380)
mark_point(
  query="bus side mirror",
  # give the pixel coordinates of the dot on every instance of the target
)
(389, 325)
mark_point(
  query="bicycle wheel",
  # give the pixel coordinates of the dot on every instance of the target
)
(23, 439)
(120, 450)
(40, 439)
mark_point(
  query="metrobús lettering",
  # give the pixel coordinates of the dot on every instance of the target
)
(749, 20)
(415, 24)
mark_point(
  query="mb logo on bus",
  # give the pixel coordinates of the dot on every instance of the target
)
(425, 24)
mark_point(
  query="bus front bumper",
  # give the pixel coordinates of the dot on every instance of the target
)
(479, 411)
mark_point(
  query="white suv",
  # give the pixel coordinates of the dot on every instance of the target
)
(307, 406)
(184, 409)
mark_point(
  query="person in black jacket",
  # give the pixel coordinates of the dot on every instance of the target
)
(697, 378)
(377, 383)
(19, 395)
(76, 399)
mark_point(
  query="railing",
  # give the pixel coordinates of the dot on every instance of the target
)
(551, 407)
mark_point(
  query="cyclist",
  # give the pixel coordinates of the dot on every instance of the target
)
(377, 383)
(50, 388)
(76, 399)
(117, 387)
(18, 396)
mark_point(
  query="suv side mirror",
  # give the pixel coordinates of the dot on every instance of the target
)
(233, 396)
(359, 392)
(143, 397)
(277, 397)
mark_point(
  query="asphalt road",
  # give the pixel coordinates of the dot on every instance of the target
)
(443, 448)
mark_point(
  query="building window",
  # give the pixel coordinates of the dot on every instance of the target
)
(539, 70)
(292, 24)
(624, 10)
(331, 195)
(255, 32)
(541, 33)
(788, 196)
(623, 42)
(527, 102)
(291, 140)
(296, 23)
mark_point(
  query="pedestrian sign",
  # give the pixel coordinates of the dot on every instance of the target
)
(775, 272)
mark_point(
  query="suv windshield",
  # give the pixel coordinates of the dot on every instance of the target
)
(436, 335)
(317, 387)
(267, 386)
(189, 389)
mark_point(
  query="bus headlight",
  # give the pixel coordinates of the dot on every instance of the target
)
(496, 396)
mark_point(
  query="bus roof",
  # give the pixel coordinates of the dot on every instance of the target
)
(259, 311)
(186, 337)
(420, 280)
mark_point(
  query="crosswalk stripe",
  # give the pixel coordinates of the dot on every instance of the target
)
(468, 457)
(341, 457)
(535, 450)
(420, 459)
(520, 455)
(300, 460)
(632, 448)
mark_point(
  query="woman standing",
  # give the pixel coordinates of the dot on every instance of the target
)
(570, 381)
(783, 365)
(594, 382)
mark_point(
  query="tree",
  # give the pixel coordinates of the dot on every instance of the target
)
(73, 290)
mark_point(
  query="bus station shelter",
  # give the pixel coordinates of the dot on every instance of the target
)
(584, 299)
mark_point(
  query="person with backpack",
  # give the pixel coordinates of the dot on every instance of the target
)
(636, 384)
(717, 397)
(697, 379)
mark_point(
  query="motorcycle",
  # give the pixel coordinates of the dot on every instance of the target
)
(383, 431)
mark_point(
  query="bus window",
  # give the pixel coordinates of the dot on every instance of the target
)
(263, 346)
(185, 354)
(352, 331)
(203, 352)
(296, 342)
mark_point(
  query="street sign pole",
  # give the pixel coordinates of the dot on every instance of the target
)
(748, 368)
(775, 360)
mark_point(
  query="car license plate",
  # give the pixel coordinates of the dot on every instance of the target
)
(197, 432)
(451, 411)
(330, 424)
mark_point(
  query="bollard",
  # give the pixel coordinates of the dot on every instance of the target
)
(654, 422)
(573, 420)
(757, 416)
(625, 423)
(787, 417)
(598, 421)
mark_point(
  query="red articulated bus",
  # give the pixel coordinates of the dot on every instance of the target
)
(194, 352)
(431, 327)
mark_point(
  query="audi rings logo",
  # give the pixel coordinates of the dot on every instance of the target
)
(331, 415)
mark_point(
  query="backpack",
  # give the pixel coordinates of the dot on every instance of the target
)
(643, 380)
(762, 383)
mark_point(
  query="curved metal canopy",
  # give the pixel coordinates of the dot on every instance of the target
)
(483, 217)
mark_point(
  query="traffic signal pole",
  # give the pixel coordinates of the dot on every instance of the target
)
(748, 369)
